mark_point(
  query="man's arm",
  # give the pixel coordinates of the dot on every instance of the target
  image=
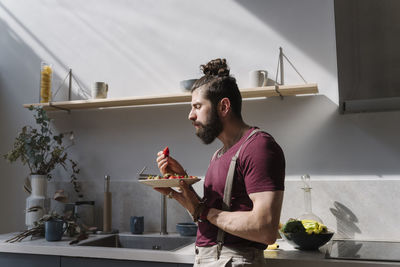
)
(260, 224)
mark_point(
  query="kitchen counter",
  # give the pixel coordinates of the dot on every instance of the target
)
(286, 255)
(40, 246)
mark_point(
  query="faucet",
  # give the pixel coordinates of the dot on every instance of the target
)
(163, 224)
(163, 230)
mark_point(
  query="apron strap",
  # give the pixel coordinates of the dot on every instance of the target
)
(228, 191)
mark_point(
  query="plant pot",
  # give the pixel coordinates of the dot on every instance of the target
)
(37, 203)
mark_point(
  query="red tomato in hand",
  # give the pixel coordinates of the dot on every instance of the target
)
(166, 151)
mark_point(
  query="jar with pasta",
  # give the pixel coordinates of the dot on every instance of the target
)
(46, 75)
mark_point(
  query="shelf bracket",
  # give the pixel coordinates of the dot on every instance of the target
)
(280, 70)
(277, 91)
(70, 77)
(60, 108)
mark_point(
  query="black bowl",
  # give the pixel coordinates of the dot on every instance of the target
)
(186, 229)
(304, 241)
(187, 84)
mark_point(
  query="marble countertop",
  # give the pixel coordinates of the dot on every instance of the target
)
(183, 255)
(62, 248)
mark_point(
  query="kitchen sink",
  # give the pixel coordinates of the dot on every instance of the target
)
(152, 242)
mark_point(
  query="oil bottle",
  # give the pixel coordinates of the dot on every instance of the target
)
(308, 214)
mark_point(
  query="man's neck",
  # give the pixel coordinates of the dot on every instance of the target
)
(232, 133)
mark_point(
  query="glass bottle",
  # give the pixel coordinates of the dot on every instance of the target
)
(308, 214)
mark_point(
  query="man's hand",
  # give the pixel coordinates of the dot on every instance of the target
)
(167, 164)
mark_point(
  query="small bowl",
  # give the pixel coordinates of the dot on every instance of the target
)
(304, 241)
(187, 84)
(186, 229)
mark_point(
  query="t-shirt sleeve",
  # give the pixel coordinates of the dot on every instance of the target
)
(263, 165)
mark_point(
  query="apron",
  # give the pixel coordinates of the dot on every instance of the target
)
(220, 255)
(228, 256)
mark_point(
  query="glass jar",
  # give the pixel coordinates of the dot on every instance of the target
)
(46, 75)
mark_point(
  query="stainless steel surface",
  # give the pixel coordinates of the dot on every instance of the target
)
(372, 105)
(163, 229)
(365, 250)
(107, 183)
(69, 84)
(281, 65)
(163, 223)
(141, 242)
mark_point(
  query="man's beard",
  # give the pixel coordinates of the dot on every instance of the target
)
(213, 127)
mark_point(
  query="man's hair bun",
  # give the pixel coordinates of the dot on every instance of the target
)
(216, 67)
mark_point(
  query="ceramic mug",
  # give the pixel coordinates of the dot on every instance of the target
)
(99, 90)
(258, 78)
(137, 224)
(54, 229)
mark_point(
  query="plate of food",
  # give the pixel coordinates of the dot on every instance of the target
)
(168, 180)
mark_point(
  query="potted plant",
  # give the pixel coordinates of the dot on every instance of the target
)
(42, 151)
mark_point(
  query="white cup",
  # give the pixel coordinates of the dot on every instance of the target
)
(99, 90)
(258, 78)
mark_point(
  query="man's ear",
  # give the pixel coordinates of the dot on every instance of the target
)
(224, 106)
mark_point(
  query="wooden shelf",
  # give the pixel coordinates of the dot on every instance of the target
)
(268, 91)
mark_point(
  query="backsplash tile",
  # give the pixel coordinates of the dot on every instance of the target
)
(359, 209)
(128, 199)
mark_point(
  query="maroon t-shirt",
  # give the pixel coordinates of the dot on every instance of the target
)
(260, 167)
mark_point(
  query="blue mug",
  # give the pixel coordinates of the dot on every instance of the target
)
(54, 229)
(137, 225)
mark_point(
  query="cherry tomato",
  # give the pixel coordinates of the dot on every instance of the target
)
(166, 151)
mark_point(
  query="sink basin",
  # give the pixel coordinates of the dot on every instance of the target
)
(152, 242)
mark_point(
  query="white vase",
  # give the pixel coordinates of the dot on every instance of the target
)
(37, 203)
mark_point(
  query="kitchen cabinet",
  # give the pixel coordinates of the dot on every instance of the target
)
(268, 91)
(368, 54)
(89, 262)
(329, 263)
(33, 260)
(28, 260)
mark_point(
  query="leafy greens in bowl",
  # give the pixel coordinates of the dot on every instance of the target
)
(306, 234)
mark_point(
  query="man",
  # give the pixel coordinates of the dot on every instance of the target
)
(237, 229)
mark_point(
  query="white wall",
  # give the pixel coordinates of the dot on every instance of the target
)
(146, 48)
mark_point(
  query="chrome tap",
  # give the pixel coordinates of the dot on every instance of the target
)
(163, 230)
(163, 223)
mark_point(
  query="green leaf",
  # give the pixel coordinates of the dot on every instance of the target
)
(40, 149)
(39, 158)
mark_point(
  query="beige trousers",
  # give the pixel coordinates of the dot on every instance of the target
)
(207, 257)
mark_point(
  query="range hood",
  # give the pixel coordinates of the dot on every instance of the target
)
(371, 105)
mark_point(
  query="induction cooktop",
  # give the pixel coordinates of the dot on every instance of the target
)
(364, 250)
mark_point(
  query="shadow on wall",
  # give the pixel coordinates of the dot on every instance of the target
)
(346, 221)
(346, 225)
(27, 58)
(317, 139)
(19, 80)
(19, 84)
(288, 16)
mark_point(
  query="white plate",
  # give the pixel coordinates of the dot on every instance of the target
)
(168, 182)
